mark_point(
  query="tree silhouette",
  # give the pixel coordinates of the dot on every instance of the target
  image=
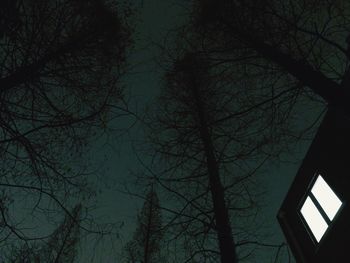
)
(209, 163)
(307, 41)
(61, 61)
(145, 245)
(195, 94)
(61, 247)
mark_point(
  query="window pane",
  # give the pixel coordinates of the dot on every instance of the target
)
(326, 197)
(314, 219)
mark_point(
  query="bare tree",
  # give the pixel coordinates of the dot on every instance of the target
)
(61, 61)
(293, 45)
(209, 162)
(305, 40)
(195, 94)
(61, 246)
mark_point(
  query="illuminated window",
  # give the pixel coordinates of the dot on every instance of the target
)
(320, 207)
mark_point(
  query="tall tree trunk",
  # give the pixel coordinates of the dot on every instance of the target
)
(224, 231)
(146, 253)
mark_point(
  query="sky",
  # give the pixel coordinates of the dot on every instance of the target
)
(115, 157)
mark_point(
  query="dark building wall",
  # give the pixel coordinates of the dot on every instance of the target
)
(329, 155)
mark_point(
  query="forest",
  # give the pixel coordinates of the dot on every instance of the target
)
(156, 131)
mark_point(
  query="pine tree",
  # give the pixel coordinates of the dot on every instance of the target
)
(145, 245)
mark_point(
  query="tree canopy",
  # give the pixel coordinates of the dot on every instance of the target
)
(61, 63)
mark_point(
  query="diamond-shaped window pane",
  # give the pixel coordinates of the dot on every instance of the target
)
(325, 196)
(314, 219)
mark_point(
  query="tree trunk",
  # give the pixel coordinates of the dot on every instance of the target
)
(224, 232)
(146, 253)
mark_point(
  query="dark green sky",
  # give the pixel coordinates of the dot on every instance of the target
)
(142, 86)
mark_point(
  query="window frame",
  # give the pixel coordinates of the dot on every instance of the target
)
(314, 200)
